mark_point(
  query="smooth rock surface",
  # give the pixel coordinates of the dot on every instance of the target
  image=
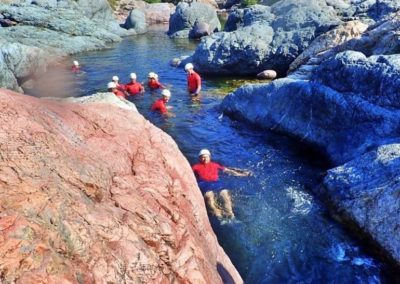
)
(185, 17)
(267, 74)
(94, 193)
(367, 191)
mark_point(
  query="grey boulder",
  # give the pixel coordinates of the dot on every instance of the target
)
(136, 21)
(186, 16)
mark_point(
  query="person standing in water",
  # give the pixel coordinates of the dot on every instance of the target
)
(160, 105)
(193, 82)
(153, 82)
(112, 87)
(218, 200)
(134, 87)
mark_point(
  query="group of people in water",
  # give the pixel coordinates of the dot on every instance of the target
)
(218, 199)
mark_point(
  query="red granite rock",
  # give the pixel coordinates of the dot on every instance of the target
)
(94, 193)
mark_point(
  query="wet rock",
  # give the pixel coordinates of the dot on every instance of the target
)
(265, 37)
(83, 198)
(365, 190)
(185, 17)
(267, 75)
(137, 21)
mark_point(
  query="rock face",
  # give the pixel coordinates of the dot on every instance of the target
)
(366, 190)
(263, 37)
(137, 21)
(349, 111)
(93, 193)
(186, 16)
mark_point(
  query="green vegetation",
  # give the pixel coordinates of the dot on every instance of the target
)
(113, 3)
(152, 1)
(247, 3)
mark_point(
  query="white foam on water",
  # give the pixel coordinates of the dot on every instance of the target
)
(302, 201)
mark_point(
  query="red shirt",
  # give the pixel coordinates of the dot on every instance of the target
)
(159, 105)
(121, 87)
(133, 88)
(193, 81)
(75, 69)
(118, 93)
(207, 172)
(154, 84)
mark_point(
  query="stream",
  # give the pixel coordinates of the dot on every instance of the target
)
(283, 234)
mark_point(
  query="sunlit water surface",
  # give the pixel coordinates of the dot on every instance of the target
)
(282, 233)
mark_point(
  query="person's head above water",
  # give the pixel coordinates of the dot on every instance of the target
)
(133, 76)
(152, 75)
(111, 86)
(115, 79)
(189, 67)
(166, 94)
(204, 156)
(76, 63)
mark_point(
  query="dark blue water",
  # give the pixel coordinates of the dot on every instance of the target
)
(283, 234)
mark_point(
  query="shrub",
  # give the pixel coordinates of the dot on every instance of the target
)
(247, 3)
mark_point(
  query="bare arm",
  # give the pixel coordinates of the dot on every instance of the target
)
(237, 172)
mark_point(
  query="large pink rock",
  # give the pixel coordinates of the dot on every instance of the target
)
(156, 13)
(94, 193)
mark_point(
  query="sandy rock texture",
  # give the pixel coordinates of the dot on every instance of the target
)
(93, 193)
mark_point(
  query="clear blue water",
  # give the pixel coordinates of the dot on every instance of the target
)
(283, 234)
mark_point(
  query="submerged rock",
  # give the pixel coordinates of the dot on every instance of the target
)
(183, 21)
(90, 189)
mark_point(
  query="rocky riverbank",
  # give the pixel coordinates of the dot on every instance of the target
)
(341, 96)
(34, 35)
(92, 192)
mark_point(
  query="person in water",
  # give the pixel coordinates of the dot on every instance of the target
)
(207, 173)
(133, 87)
(153, 82)
(160, 105)
(193, 82)
(112, 87)
(75, 67)
(120, 87)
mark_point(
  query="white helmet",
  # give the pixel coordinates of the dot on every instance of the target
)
(133, 76)
(111, 85)
(188, 66)
(152, 75)
(115, 78)
(204, 152)
(166, 93)
(76, 63)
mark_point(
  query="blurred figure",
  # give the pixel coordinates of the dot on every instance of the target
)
(120, 86)
(112, 87)
(153, 82)
(133, 87)
(193, 82)
(75, 67)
